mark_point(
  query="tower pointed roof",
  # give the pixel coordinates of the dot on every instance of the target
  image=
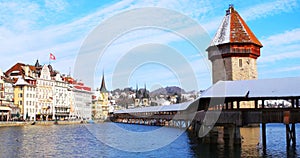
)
(37, 64)
(233, 29)
(145, 94)
(103, 87)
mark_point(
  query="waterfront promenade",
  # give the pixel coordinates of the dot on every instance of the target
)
(45, 123)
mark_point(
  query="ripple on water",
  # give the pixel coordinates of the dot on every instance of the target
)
(79, 141)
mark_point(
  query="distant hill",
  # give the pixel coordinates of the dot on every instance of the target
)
(167, 91)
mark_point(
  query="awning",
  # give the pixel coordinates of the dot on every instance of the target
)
(5, 108)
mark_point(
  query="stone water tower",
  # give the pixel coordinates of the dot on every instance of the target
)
(234, 49)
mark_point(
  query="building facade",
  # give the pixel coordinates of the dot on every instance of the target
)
(142, 97)
(45, 89)
(82, 97)
(41, 93)
(25, 98)
(2, 97)
(60, 98)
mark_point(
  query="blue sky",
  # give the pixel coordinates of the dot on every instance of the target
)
(30, 30)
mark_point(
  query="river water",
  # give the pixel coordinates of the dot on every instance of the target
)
(99, 140)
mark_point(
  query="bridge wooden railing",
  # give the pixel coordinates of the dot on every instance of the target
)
(242, 117)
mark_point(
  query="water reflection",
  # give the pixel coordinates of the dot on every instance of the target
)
(78, 141)
(250, 141)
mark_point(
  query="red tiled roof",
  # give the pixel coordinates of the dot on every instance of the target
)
(79, 87)
(234, 29)
(16, 67)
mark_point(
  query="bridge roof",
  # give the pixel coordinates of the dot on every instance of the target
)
(262, 88)
(173, 107)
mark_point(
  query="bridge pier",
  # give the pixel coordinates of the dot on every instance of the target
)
(232, 135)
(227, 134)
(290, 135)
(264, 137)
(211, 137)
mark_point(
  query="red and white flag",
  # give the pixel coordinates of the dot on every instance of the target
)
(52, 57)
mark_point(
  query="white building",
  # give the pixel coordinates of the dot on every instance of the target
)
(60, 98)
(82, 105)
(8, 92)
(45, 89)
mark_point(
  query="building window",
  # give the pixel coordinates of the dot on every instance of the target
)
(20, 102)
(240, 62)
(20, 95)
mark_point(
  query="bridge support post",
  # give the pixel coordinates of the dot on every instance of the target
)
(211, 137)
(226, 105)
(197, 127)
(256, 104)
(232, 135)
(229, 135)
(290, 135)
(294, 134)
(264, 140)
(214, 134)
(237, 135)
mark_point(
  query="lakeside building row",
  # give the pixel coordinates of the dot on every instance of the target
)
(38, 92)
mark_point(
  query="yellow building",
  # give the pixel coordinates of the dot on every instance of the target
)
(25, 98)
(102, 101)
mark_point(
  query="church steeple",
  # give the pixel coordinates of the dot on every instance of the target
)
(145, 91)
(103, 87)
(37, 64)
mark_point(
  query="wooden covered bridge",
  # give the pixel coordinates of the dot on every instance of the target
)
(230, 104)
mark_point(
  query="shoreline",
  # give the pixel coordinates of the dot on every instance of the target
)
(44, 123)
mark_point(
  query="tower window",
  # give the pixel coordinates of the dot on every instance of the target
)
(240, 62)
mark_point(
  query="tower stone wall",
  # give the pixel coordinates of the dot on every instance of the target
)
(233, 51)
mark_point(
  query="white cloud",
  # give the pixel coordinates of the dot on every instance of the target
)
(253, 12)
(281, 46)
(281, 39)
(279, 56)
(269, 8)
(282, 70)
(19, 15)
(56, 5)
(21, 38)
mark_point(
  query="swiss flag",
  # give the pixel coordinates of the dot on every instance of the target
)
(52, 57)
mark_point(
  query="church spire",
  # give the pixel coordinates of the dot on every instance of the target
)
(103, 87)
(145, 95)
(37, 64)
